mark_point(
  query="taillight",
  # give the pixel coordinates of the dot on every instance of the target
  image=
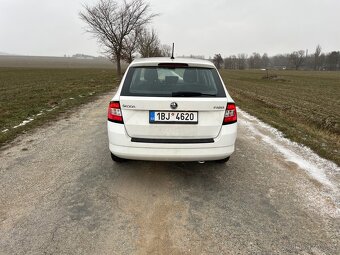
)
(230, 115)
(115, 113)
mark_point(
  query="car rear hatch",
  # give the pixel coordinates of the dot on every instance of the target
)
(173, 102)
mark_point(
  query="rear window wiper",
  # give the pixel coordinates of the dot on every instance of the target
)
(190, 94)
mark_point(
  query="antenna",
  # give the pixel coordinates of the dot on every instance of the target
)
(173, 48)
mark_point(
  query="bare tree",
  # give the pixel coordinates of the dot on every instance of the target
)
(333, 60)
(234, 62)
(165, 50)
(130, 45)
(297, 58)
(322, 61)
(231, 62)
(218, 61)
(255, 61)
(227, 63)
(137, 40)
(265, 60)
(242, 61)
(111, 22)
(317, 57)
(148, 44)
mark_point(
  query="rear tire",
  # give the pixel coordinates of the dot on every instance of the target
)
(117, 159)
(225, 160)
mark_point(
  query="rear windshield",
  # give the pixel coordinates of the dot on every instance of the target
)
(172, 82)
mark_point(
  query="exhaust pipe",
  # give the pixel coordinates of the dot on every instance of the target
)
(201, 162)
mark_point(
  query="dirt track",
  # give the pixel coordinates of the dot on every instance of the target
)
(60, 193)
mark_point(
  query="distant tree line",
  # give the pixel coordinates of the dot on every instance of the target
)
(297, 60)
(121, 27)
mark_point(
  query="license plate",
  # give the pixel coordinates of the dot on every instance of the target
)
(170, 117)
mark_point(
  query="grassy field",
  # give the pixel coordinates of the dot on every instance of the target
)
(37, 95)
(53, 62)
(305, 106)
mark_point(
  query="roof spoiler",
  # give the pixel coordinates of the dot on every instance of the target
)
(173, 65)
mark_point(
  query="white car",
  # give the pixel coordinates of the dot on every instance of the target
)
(172, 110)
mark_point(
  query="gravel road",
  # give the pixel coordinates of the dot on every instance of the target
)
(60, 193)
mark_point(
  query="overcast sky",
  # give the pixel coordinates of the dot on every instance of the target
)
(201, 27)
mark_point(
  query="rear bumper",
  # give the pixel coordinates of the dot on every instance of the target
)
(161, 154)
(121, 145)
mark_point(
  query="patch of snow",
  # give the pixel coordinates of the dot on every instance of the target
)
(30, 119)
(4, 131)
(24, 123)
(71, 98)
(317, 167)
(49, 110)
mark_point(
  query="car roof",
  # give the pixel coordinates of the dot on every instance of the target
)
(192, 62)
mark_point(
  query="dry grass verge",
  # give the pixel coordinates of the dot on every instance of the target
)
(305, 106)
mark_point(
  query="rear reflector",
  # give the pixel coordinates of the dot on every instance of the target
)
(115, 113)
(230, 115)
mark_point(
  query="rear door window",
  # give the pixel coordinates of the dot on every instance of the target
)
(173, 82)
